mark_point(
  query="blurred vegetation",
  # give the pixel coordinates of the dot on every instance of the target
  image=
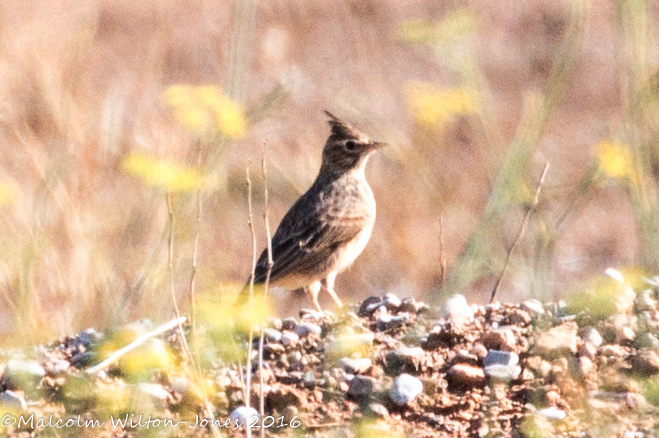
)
(127, 127)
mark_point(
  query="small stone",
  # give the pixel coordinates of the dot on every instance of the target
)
(271, 335)
(16, 367)
(645, 363)
(405, 389)
(281, 396)
(625, 335)
(276, 323)
(180, 385)
(82, 359)
(308, 329)
(355, 366)
(533, 307)
(60, 366)
(289, 323)
(387, 321)
(557, 341)
(406, 356)
(408, 305)
(155, 390)
(378, 410)
(500, 339)
(13, 400)
(361, 386)
(649, 341)
(391, 302)
(243, 415)
(466, 376)
(289, 339)
(588, 350)
(592, 336)
(495, 357)
(644, 302)
(552, 413)
(457, 309)
(613, 351)
(517, 317)
(369, 305)
(586, 366)
(310, 315)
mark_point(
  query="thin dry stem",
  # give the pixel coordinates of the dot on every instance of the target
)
(442, 256)
(248, 371)
(266, 220)
(522, 228)
(136, 343)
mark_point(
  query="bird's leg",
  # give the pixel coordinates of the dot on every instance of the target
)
(329, 285)
(312, 291)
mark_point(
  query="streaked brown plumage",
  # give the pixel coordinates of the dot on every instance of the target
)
(327, 227)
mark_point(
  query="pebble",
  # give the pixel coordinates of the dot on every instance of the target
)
(307, 329)
(391, 302)
(644, 302)
(289, 339)
(457, 309)
(378, 410)
(387, 321)
(272, 335)
(60, 366)
(405, 389)
(592, 336)
(361, 386)
(408, 355)
(625, 335)
(645, 363)
(408, 305)
(289, 323)
(533, 307)
(503, 373)
(495, 357)
(17, 367)
(13, 400)
(500, 339)
(649, 341)
(153, 389)
(180, 385)
(557, 341)
(466, 375)
(243, 415)
(552, 413)
(355, 366)
(369, 305)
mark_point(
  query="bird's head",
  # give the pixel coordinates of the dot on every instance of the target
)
(346, 148)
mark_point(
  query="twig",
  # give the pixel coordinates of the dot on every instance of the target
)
(442, 257)
(522, 228)
(248, 370)
(136, 343)
(170, 260)
(266, 219)
(195, 252)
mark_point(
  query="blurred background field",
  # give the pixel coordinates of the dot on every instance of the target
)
(106, 106)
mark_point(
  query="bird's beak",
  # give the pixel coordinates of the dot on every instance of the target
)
(378, 144)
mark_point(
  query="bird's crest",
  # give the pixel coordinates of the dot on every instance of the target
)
(341, 129)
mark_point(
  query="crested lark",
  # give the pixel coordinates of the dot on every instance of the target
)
(329, 226)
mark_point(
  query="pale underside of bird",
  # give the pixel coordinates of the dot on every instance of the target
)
(328, 227)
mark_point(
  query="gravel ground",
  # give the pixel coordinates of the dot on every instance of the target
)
(391, 367)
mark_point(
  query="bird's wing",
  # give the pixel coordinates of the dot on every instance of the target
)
(302, 242)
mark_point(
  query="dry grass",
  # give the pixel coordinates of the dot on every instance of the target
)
(84, 243)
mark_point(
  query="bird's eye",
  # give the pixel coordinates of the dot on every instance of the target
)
(350, 145)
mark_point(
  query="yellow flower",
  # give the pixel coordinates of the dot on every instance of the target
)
(456, 25)
(432, 106)
(162, 174)
(614, 159)
(7, 194)
(206, 109)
